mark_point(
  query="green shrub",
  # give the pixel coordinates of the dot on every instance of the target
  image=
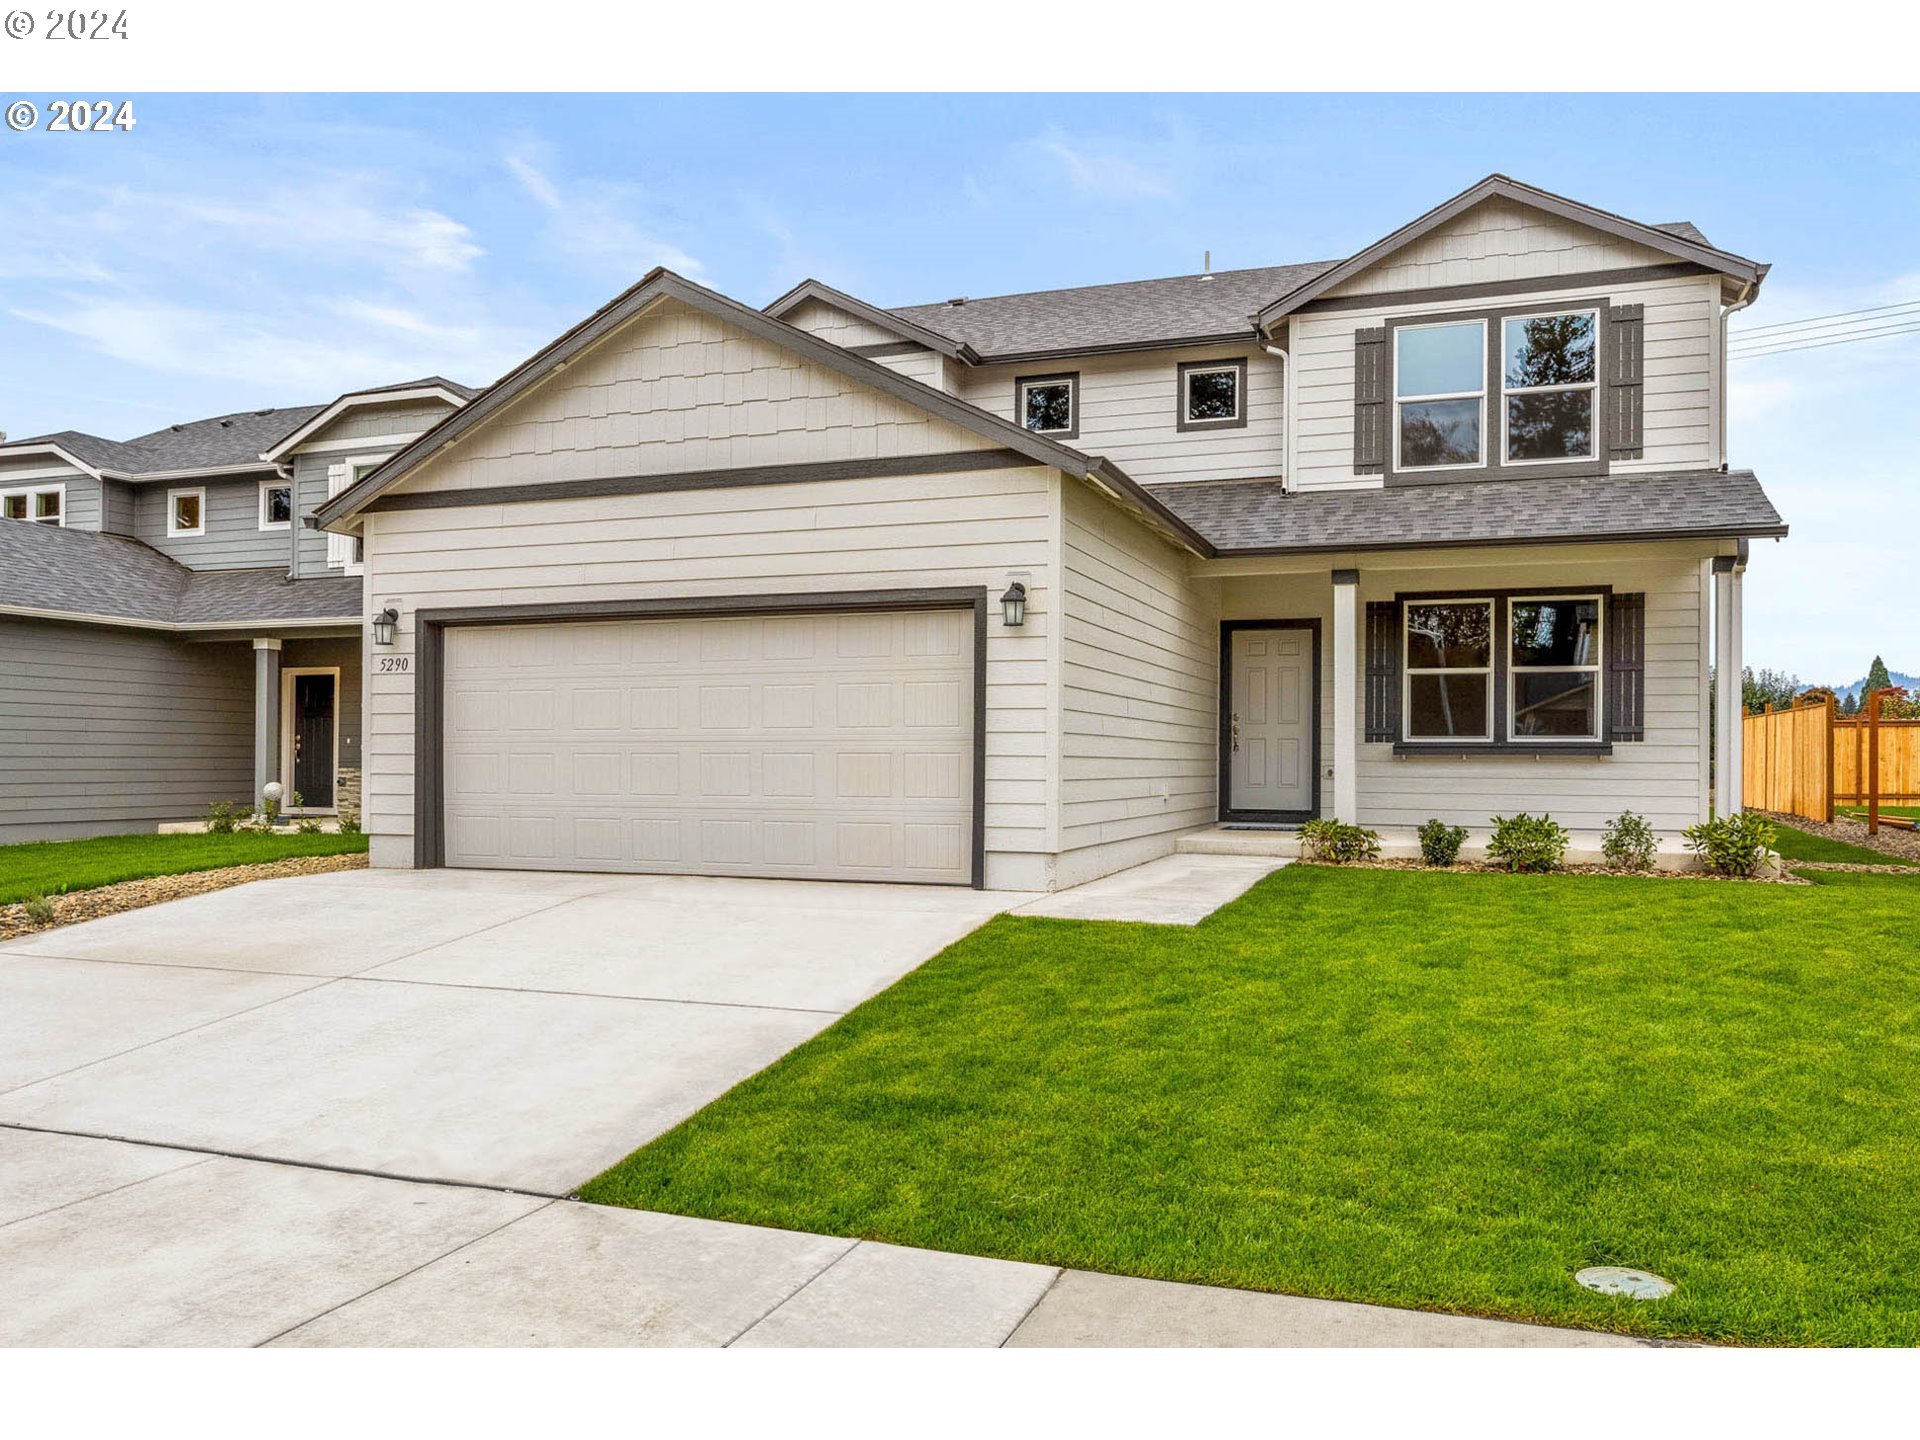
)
(307, 825)
(1527, 842)
(223, 817)
(1628, 842)
(39, 909)
(1338, 843)
(1440, 842)
(349, 822)
(1733, 845)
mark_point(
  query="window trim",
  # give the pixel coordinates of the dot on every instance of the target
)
(178, 532)
(1487, 672)
(1493, 464)
(358, 467)
(1395, 399)
(1597, 668)
(1503, 741)
(31, 494)
(266, 487)
(1592, 387)
(1187, 368)
(1069, 378)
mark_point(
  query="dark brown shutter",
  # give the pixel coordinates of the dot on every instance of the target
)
(1625, 351)
(1369, 401)
(1383, 671)
(1626, 644)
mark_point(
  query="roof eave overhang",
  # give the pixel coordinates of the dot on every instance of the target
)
(1614, 537)
(207, 472)
(59, 452)
(906, 329)
(180, 627)
(354, 400)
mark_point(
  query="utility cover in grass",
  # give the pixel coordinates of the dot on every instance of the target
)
(1618, 1280)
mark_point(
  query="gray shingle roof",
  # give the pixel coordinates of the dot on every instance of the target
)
(79, 572)
(1138, 312)
(1241, 516)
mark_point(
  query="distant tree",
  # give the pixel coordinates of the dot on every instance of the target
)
(1761, 688)
(1877, 677)
(1850, 704)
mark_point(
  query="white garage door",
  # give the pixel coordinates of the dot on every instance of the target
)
(825, 746)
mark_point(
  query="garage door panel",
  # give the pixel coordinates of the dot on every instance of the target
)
(812, 746)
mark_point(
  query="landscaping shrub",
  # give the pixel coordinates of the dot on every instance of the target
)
(223, 817)
(1338, 843)
(349, 822)
(1440, 842)
(39, 909)
(307, 825)
(1628, 843)
(1527, 842)
(1732, 845)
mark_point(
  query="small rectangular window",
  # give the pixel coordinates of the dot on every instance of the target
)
(1549, 366)
(1449, 666)
(1439, 389)
(1049, 404)
(14, 507)
(45, 506)
(186, 513)
(276, 506)
(1213, 394)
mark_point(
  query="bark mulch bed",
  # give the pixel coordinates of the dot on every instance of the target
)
(1480, 867)
(136, 894)
(1905, 843)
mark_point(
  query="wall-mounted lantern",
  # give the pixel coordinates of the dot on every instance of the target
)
(383, 624)
(1013, 604)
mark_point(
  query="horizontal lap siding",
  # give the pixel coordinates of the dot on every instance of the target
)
(310, 467)
(82, 505)
(110, 730)
(1129, 412)
(914, 532)
(1139, 684)
(1662, 778)
(233, 539)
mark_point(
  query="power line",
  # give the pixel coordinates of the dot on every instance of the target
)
(1885, 325)
(1820, 319)
(1817, 344)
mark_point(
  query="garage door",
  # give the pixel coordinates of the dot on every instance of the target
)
(817, 746)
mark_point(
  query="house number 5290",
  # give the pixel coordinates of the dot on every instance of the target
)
(395, 664)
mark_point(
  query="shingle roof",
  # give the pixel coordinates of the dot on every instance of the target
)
(1137, 312)
(80, 572)
(1241, 516)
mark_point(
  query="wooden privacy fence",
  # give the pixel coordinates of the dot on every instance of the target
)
(1809, 758)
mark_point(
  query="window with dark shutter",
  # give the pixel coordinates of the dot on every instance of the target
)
(1382, 719)
(1627, 666)
(1625, 353)
(1370, 401)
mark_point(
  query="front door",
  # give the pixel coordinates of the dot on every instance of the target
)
(313, 697)
(1269, 732)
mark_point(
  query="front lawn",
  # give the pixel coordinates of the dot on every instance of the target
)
(56, 867)
(1446, 1091)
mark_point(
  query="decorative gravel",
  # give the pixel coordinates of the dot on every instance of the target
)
(1854, 832)
(136, 894)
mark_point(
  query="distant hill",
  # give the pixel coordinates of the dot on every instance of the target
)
(1909, 682)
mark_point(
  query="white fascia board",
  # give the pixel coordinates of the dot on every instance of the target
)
(9, 452)
(350, 402)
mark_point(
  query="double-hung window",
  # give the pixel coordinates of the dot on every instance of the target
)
(1549, 367)
(43, 505)
(1440, 395)
(1449, 665)
(1553, 675)
(1503, 669)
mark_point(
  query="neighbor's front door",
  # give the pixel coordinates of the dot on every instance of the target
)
(1270, 726)
(313, 741)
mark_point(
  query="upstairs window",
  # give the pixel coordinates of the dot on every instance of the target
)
(1549, 367)
(1049, 404)
(1439, 390)
(1213, 394)
(43, 506)
(186, 513)
(276, 506)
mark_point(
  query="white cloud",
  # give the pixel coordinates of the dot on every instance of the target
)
(1107, 169)
(596, 221)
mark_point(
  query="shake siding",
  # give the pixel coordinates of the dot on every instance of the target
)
(110, 731)
(678, 389)
(910, 532)
(1129, 412)
(1139, 683)
(1679, 426)
(1662, 777)
(233, 539)
(829, 322)
(380, 421)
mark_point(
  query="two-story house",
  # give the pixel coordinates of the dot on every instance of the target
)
(1019, 591)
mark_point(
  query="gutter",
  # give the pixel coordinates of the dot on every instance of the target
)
(130, 622)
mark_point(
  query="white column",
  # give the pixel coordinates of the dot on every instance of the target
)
(1346, 691)
(266, 715)
(1727, 709)
(1737, 740)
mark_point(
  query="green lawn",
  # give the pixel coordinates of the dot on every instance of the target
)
(55, 867)
(1799, 845)
(1446, 1091)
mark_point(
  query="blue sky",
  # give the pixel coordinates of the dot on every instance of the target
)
(237, 251)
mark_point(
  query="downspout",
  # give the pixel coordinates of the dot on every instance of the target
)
(1727, 312)
(1286, 405)
(285, 472)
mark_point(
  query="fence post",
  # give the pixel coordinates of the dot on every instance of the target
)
(1832, 708)
(1873, 762)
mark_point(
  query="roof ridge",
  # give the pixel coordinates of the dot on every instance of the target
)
(1113, 284)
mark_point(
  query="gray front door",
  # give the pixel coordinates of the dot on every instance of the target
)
(1270, 760)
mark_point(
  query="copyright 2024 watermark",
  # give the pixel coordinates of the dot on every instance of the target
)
(73, 117)
(67, 24)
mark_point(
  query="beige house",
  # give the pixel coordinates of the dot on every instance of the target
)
(1018, 591)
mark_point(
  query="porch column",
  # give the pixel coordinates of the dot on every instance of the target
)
(1729, 746)
(1346, 686)
(266, 716)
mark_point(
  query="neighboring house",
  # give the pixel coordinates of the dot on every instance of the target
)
(172, 636)
(1018, 591)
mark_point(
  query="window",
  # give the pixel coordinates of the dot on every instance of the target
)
(186, 513)
(1439, 395)
(1213, 394)
(1553, 680)
(1548, 368)
(276, 505)
(1449, 663)
(1049, 404)
(44, 505)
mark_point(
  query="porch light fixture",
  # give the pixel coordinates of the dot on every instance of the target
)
(383, 624)
(1013, 604)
